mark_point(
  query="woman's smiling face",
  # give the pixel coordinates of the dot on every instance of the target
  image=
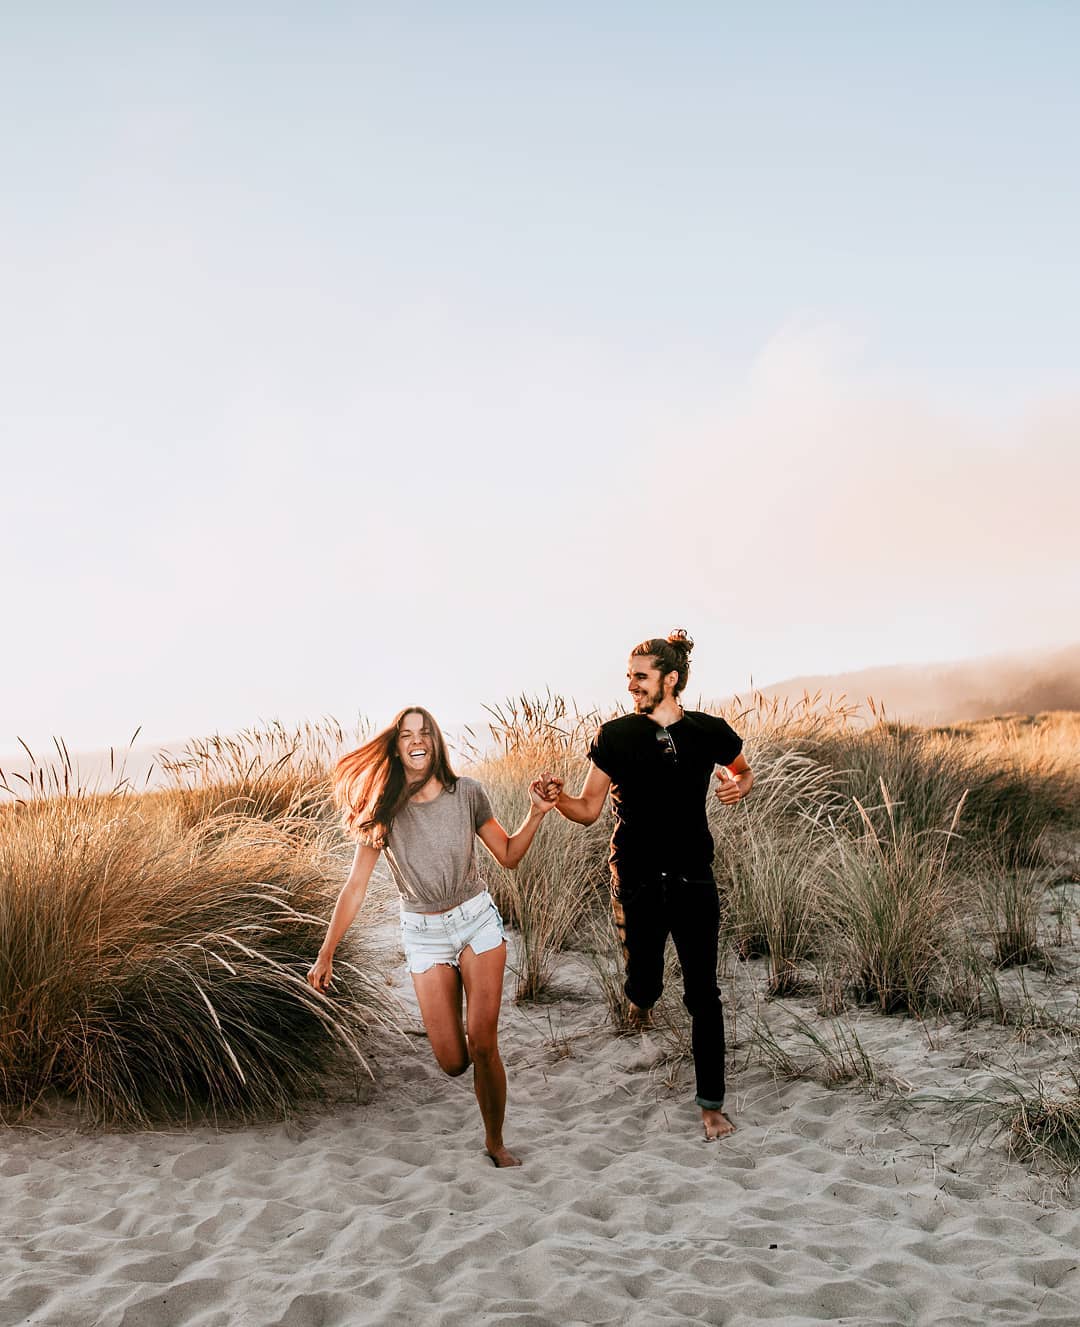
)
(415, 745)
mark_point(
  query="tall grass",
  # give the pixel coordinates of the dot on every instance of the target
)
(893, 904)
(153, 947)
(1010, 798)
(858, 855)
(271, 773)
(768, 860)
(148, 970)
(1009, 901)
(59, 776)
(563, 878)
(776, 903)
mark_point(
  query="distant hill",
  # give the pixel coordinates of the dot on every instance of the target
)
(955, 692)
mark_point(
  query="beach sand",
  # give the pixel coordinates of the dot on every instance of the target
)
(827, 1205)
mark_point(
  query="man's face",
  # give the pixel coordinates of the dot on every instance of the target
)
(646, 683)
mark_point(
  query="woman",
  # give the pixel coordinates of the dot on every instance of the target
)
(400, 796)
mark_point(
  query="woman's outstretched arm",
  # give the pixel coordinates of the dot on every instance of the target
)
(345, 909)
(508, 849)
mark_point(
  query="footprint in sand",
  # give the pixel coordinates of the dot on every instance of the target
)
(646, 1054)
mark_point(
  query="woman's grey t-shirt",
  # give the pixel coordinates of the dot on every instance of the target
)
(431, 845)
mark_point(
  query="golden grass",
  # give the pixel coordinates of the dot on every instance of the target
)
(563, 879)
(153, 946)
(152, 962)
(857, 864)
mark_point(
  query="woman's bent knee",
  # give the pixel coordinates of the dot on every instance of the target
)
(453, 1065)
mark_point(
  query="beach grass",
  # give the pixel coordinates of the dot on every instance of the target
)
(153, 944)
(151, 969)
(828, 1050)
(1038, 1116)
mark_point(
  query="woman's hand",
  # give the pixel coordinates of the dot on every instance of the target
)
(321, 972)
(544, 793)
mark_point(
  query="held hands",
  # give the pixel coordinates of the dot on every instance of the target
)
(727, 786)
(544, 792)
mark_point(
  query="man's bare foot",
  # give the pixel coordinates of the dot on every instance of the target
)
(501, 1157)
(717, 1124)
(639, 1019)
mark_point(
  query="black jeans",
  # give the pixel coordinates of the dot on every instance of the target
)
(647, 911)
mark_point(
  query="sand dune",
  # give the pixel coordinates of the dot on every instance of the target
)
(955, 692)
(826, 1206)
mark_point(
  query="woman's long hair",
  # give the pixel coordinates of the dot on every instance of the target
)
(370, 783)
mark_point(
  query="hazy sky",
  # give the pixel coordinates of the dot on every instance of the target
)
(360, 355)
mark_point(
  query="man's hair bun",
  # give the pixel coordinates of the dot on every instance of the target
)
(680, 639)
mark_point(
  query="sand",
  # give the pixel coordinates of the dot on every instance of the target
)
(827, 1205)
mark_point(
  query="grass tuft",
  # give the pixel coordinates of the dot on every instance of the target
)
(837, 1056)
(893, 907)
(1040, 1121)
(148, 971)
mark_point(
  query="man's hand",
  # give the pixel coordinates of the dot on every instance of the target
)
(544, 793)
(727, 786)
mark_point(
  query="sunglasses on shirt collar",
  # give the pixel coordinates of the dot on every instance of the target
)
(667, 745)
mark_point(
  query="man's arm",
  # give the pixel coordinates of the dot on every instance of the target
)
(734, 781)
(586, 807)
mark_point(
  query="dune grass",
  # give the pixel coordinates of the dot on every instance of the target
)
(1012, 791)
(151, 970)
(153, 946)
(828, 1050)
(1040, 1119)
(1010, 902)
(563, 879)
(775, 905)
(271, 773)
(893, 910)
(855, 865)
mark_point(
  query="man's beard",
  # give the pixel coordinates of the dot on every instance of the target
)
(646, 704)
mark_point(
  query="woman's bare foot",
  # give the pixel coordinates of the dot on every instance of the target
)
(717, 1124)
(502, 1157)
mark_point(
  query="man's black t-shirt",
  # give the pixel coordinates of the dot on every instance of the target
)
(660, 781)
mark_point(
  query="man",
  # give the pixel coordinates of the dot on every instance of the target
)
(657, 763)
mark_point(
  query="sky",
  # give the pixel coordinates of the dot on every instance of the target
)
(354, 356)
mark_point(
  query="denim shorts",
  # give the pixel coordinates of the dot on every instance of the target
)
(439, 937)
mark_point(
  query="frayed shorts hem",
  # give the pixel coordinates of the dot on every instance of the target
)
(440, 937)
(418, 965)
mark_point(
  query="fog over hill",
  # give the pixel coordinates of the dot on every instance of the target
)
(955, 692)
